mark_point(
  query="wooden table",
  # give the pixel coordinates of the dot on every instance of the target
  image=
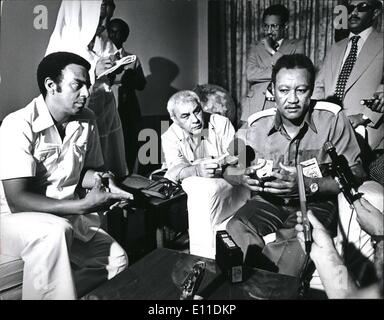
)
(158, 276)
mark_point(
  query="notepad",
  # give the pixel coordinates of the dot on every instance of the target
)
(122, 62)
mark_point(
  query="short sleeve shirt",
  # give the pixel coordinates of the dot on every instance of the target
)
(323, 122)
(181, 152)
(30, 146)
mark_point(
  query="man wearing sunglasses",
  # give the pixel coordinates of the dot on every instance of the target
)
(353, 71)
(263, 55)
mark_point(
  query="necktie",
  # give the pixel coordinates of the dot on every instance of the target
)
(347, 69)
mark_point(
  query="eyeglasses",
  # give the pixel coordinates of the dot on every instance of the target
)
(361, 7)
(274, 26)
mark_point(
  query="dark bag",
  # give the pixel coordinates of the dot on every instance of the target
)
(162, 188)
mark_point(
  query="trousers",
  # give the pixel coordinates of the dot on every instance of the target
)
(211, 201)
(263, 215)
(58, 266)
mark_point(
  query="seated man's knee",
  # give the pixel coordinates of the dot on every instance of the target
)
(374, 193)
(59, 228)
(118, 260)
(205, 186)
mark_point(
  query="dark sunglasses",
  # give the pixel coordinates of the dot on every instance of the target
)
(361, 7)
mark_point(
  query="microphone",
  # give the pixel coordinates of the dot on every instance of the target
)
(342, 174)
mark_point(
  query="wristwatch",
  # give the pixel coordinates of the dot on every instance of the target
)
(314, 187)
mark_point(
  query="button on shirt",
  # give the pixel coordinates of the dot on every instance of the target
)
(31, 146)
(324, 122)
(181, 151)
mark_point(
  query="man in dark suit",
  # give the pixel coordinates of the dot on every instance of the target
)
(362, 53)
(263, 55)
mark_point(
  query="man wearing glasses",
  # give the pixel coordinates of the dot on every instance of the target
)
(353, 71)
(263, 55)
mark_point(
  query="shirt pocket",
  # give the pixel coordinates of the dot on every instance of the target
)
(79, 151)
(309, 154)
(46, 155)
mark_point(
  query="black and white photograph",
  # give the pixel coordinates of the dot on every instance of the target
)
(215, 151)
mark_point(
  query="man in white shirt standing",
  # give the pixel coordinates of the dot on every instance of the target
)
(353, 71)
(49, 151)
(193, 146)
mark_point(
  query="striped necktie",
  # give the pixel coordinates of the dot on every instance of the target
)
(347, 69)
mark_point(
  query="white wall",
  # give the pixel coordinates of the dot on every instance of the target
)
(173, 32)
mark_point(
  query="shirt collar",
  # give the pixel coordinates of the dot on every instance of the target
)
(278, 122)
(363, 34)
(42, 118)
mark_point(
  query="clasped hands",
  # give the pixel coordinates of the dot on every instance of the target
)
(281, 182)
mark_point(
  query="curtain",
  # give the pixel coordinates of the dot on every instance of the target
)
(234, 24)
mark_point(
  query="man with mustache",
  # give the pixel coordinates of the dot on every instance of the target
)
(263, 55)
(50, 153)
(292, 133)
(353, 71)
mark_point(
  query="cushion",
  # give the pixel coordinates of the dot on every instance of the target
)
(11, 277)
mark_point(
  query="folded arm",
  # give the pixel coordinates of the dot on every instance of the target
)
(259, 65)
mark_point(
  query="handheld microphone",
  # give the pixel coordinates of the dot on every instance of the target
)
(342, 174)
(303, 207)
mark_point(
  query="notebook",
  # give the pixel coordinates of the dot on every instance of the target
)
(122, 62)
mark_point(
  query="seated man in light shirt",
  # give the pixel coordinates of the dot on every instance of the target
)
(194, 147)
(49, 151)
